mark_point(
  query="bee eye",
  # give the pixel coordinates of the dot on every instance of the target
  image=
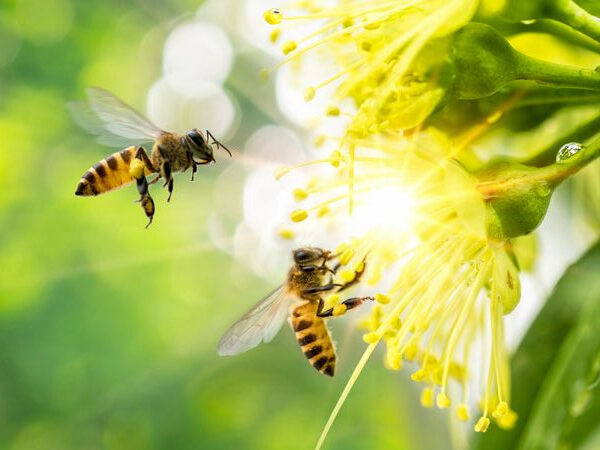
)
(196, 138)
(301, 255)
(305, 255)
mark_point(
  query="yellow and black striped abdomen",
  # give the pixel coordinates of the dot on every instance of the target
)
(110, 173)
(313, 337)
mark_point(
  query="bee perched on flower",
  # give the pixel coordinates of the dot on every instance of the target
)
(438, 215)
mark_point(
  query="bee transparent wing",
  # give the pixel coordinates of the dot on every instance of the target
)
(112, 120)
(260, 324)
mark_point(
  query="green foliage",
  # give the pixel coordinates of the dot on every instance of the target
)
(556, 370)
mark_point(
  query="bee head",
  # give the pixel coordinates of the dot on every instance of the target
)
(199, 146)
(307, 255)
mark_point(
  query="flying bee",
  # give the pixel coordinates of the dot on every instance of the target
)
(300, 298)
(115, 122)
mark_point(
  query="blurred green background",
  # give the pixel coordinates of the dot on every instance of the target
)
(108, 331)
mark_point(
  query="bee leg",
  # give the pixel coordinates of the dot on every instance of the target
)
(356, 279)
(325, 288)
(148, 205)
(166, 172)
(350, 303)
(313, 268)
(170, 189)
(142, 184)
(326, 268)
(141, 154)
(194, 169)
(193, 164)
(145, 199)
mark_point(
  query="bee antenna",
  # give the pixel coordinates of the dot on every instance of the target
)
(225, 148)
(218, 144)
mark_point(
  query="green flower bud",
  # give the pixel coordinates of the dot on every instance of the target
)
(516, 199)
(483, 62)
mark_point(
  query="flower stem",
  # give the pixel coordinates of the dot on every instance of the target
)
(564, 32)
(552, 27)
(581, 133)
(543, 95)
(575, 16)
(529, 68)
(359, 367)
(553, 174)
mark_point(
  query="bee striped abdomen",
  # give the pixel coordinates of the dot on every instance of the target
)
(313, 337)
(108, 174)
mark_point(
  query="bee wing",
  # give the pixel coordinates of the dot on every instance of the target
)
(259, 324)
(112, 120)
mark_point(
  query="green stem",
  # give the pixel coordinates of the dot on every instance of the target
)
(564, 32)
(548, 96)
(553, 174)
(558, 172)
(529, 68)
(546, 26)
(547, 155)
(575, 16)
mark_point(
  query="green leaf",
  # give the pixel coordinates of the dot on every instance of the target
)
(556, 370)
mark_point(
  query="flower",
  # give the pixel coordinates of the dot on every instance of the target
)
(421, 220)
(436, 240)
(389, 55)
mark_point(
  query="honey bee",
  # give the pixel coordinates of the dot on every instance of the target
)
(300, 298)
(117, 123)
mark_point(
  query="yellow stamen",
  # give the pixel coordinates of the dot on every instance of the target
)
(443, 401)
(299, 215)
(482, 425)
(339, 309)
(273, 16)
(462, 412)
(287, 233)
(427, 397)
(289, 47)
(299, 194)
(382, 299)
(274, 36)
(372, 337)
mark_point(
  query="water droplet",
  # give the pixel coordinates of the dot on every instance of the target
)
(567, 151)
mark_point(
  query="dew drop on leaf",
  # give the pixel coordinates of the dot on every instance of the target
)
(567, 151)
